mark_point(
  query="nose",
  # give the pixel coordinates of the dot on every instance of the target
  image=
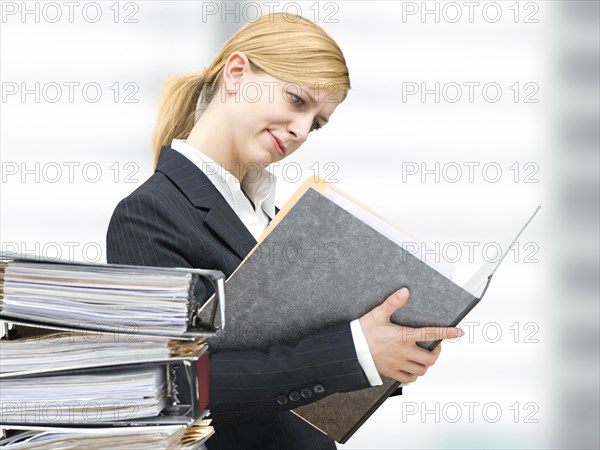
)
(299, 128)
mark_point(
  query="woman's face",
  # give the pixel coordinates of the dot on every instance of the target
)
(272, 118)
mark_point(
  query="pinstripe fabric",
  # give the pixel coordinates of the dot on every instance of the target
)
(177, 218)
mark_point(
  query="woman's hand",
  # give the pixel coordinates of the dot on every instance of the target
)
(394, 348)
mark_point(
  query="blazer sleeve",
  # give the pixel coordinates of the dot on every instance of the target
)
(242, 383)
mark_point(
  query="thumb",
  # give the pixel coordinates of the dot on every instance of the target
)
(391, 304)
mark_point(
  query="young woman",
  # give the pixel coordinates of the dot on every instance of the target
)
(274, 82)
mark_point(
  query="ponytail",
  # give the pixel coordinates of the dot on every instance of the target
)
(176, 114)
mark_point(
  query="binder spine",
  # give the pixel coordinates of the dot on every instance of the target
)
(193, 304)
(203, 375)
(3, 265)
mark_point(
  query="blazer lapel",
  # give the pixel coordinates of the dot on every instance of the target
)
(225, 222)
(196, 186)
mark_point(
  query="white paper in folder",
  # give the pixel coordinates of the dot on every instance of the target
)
(84, 398)
(413, 247)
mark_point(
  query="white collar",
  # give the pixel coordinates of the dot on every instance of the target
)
(260, 186)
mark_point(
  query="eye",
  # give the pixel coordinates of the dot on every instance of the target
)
(299, 101)
(295, 99)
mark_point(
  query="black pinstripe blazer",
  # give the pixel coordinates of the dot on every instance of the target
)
(177, 218)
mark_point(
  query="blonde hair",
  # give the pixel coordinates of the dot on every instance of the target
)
(288, 47)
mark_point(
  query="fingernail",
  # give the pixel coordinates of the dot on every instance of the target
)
(460, 332)
(402, 292)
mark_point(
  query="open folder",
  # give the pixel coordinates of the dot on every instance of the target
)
(326, 259)
(108, 297)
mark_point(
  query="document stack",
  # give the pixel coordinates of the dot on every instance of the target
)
(103, 355)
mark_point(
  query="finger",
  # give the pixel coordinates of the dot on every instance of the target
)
(391, 304)
(421, 356)
(404, 377)
(414, 368)
(429, 334)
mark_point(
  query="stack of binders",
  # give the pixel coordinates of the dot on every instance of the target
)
(103, 355)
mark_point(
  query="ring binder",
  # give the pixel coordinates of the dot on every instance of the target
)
(365, 259)
(196, 327)
(187, 391)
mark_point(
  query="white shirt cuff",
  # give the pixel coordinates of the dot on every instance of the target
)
(364, 354)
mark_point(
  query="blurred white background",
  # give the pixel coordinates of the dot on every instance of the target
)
(80, 86)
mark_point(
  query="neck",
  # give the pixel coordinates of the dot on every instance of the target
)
(217, 146)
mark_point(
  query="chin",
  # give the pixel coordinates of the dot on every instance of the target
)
(259, 162)
(265, 157)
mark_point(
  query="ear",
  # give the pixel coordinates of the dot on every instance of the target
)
(234, 69)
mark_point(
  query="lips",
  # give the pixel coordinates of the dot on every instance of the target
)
(278, 144)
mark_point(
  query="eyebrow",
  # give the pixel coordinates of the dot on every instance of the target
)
(309, 96)
(325, 121)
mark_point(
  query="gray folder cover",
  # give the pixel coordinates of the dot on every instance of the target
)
(321, 266)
